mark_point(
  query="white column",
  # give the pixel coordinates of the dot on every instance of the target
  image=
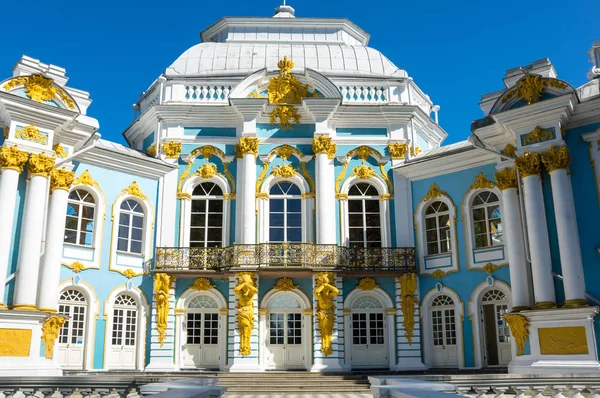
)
(11, 162)
(39, 167)
(325, 200)
(60, 182)
(248, 149)
(539, 243)
(238, 201)
(514, 242)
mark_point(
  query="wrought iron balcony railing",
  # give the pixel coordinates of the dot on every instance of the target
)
(307, 255)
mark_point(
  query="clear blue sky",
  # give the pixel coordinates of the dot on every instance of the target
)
(455, 50)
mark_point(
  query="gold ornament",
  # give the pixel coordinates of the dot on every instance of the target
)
(77, 267)
(287, 114)
(31, 133)
(438, 274)
(434, 192)
(59, 151)
(325, 293)
(569, 340)
(40, 89)
(245, 290)
(284, 171)
(285, 90)
(40, 165)
(61, 179)
(13, 159)
(363, 172)
(308, 178)
(519, 328)
(538, 135)
(207, 170)
(172, 149)
(531, 87)
(86, 179)
(510, 151)
(151, 150)
(408, 301)
(529, 164)
(50, 330)
(363, 152)
(262, 175)
(367, 284)
(285, 151)
(15, 342)
(129, 273)
(285, 285)
(6, 131)
(398, 150)
(481, 182)
(556, 159)
(247, 145)
(415, 150)
(489, 268)
(162, 288)
(134, 190)
(324, 144)
(506, 179)
(202, 284)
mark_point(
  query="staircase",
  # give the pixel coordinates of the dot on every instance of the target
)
(280, 383)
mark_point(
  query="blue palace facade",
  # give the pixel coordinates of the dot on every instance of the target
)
(284, 201)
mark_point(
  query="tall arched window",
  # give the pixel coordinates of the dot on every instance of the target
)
(81, 210)
(364, 220)
(70, 347)
(487, 226)
(285, 213)
(131, 227)
(206, 223)
(437, 228)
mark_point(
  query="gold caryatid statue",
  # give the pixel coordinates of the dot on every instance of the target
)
(162, 287)
(325, 293)
(245, 290)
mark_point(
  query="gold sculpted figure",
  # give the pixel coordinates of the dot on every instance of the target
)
(245, 290)
(162, 286)
(50, 330)
(325, 292)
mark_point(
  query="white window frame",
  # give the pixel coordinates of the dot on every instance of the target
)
(130, 226)
(436, 216)
(81, 203)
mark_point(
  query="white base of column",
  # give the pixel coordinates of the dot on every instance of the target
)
(328, 365)
(245, 365)
(409, 364)
(14, 367)
(553, 367)
(161, 365)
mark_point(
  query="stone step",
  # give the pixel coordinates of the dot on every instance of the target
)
(294, 390)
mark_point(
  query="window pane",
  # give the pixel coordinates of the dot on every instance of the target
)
(138, 221)
(87, 225)
(373, 234)
(136, 247)
(87, 239)
(355, 220)
(215, 220)
(294, 205)
(372, 206)
(215, 206)
(198, 220)
(355, 206)
(373, 220)
(478, 214)
(123, 232)
(70, 236)
(122, 245)
(198, 205)
(276, 219)
(136, 234)
(294, 220)
(294, 235)
(276, 205)
(356, 234)
(124, 219)
(197, 234)
(276, 235)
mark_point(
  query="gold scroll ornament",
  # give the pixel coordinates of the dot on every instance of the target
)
(50, 330)
(325, 292)
(245, 290)
(519, 328)
(408, 300)
(162, 287)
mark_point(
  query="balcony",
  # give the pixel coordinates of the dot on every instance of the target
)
(292, 255)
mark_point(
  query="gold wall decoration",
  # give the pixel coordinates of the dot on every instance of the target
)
(481, 182)
(438, 274)
(284, 171)
(510, 151)
(245, 290)
(134, 190)
(287, 114)
(40, 165)
(285, 285)
(129, 273)
(538, 135)
(363, 172)
(506, 179)
(207, 151)
(172, 149)
(230, 179)
(40, 89)
(50, 330)
(339, 179)
(308, 178)
(415, 150)
(261, 177)
(529, 164)
(13, 159)
(434, 192)
(31, 133)
(489, 268)
(531, 87)
(569, 340)
(59, 151)
(86, 179)
(162, 294)
(398, 150)
(77, 267)
(202, 284)
(15, 342)
(61, 179)
(324, 144)
(386, 178)
(182, 177)
(408, 301)
(367, 284)
(556, 158)
(519, 328)
(151, 150)
(285, 151)
(325, 292)
(207, 170)
(285, 91)
(6, 130)
(247, 146)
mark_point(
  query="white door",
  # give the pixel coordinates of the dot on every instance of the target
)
(285, 340)
(504, 352)
(495, 334)
(443, 326)
(201, 334)
(369, 345)
(70, 348)
(122, 352)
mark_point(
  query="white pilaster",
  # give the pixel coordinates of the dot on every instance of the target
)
(162, 357)
(238, 203)
(9, 180)
(248, 211)
(325, 198)
(405, 231)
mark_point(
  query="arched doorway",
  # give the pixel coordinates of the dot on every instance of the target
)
(444, 336)
(71, 344)
(495, 333)
(200, 333)
(368, 325)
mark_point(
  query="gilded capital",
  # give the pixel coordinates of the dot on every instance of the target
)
(556, 158)
(247, 145)
(40, 165)
(13, 159)
(61, 179)
(529, 164)
(398, 150)
(506, 179)
(172, 149)
(324, 144)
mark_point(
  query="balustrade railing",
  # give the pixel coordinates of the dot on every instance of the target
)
(284, 255)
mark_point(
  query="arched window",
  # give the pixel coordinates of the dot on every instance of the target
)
(366, 302)
(437, 228)
(206, 223)
(131, 227)
(81, 210)
(124, 321)
(487, 226)
(72, 304)
(285, 213)
(364, 220)
(443, 321)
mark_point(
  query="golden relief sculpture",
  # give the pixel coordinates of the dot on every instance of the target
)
(363, 152)
(529, 164)
(50, 330)
(408, 301)
(40, 165)
(261, 177)
(285, 91)
(434, 192)
(31, 133)
(367, 284)
(538, 135)
(325, 293)
(415, 150)
(386, 178)
(129, 273)
(40, 89)
(151, 150)
(134, 190)
(519, 328)
(13, 159)
(247, 145)
(481, 182)
(506, 179)
(15, 342)
(162, 294)
(324, 144)
(202, 284)
(398, 150)
(61, 179)
(285, 285)
(489, 268)
(556, 159)
(59, 151)
(182, 177)
(438, 274)
(284, 171)
(308, 178)
(285, 151)
(172, 149)
(363, 172)
(207, 170)
(569, 340)
(245, 290)
(531, 87)
(86, 179)
(6, 130)
(77, 267)
(510, 151)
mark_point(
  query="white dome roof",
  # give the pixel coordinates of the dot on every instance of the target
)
(227, 59)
